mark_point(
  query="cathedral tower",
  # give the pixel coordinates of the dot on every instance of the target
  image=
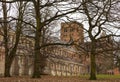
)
(72, 31)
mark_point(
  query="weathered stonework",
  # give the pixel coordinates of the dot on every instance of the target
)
(61, 61)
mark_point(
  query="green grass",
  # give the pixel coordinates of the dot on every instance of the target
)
(108, 76)
(102, 76)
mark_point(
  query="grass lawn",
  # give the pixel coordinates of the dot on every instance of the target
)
(102, 76)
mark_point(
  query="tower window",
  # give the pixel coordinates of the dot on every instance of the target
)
(72, 29)
(65, 29)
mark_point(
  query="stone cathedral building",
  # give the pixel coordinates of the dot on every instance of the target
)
(61, 60)
(72, 30)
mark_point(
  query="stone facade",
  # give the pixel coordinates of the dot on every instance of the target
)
(61, 61)
(23, 58)
(116, 71)
(23, 62)
(64, 68)
(2, 57)
(72, 30)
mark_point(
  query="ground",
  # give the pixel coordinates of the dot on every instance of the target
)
(59, 79)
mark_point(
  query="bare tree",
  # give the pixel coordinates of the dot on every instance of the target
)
(98, 15)
(40, 23)
(10, 51)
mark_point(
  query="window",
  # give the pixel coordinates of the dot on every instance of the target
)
(72, 29)
(65, 29)
(77, 30)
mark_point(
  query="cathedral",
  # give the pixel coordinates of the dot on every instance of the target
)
(61, 60)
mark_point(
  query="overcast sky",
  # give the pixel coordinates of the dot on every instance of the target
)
(75, 16)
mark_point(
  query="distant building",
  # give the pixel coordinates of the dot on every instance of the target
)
(116, 71)
(23, 57)
(2, 51)
(66, 60)
(103, 52)
(72, 31)
(61, 60)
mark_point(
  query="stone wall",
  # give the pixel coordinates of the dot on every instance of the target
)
(2, 61)
(72, 30)
(63, 67)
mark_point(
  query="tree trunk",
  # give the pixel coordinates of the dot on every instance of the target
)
(37, 55)
(39, 59)
(93, 63)
(10, 57)
(93, 67)
(7, 69)
(7, 65)
(8, 62)
(36, 73)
